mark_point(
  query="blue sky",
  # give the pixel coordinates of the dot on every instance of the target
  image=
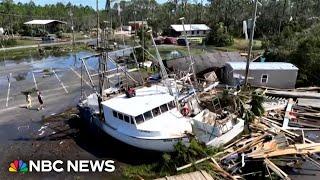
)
(83, 2)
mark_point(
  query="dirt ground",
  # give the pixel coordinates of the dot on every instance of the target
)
(65, 137)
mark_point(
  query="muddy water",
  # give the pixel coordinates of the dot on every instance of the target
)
(37, 67)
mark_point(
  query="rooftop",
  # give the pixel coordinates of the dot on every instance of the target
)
(205, 61)
(44, 22)
(263, 65)
(190, 27)
(145, 100)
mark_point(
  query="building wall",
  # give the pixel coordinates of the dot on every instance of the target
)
(189, 33)
(283, 79)
(197, 33)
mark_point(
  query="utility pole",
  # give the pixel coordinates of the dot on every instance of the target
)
(251, 41)
(72, 27)
(98, 25)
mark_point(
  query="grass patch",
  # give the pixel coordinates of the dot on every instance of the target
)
(26, 42)
(242, 44)
(239, 45)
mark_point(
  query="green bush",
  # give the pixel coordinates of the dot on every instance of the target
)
(219, 37)
(8, 42)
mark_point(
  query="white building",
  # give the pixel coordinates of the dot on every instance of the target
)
(191, 29)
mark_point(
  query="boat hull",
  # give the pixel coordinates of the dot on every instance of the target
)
(163, 145)
(229, 136)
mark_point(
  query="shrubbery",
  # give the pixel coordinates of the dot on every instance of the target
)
(8, 42)
(300, 48)
(219, 36)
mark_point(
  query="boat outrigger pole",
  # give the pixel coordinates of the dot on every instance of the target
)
(163, 71)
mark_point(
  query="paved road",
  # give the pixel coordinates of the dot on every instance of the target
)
(46, 44)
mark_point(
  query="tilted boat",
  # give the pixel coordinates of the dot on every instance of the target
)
(149, 120)
(216, 129)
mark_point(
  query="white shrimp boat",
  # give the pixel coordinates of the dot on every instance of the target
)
(215, 132)
(150, 120)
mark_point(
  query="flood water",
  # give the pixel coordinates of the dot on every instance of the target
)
(58, 63)
(71, 60)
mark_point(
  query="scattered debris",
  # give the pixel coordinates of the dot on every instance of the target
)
(42, 132)
(199, 175)
(42, 128)
(281, 136)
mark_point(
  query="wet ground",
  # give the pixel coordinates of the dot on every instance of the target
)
(65, 137)
(28, 134)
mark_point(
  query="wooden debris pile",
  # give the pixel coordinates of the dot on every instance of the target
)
(278, 140)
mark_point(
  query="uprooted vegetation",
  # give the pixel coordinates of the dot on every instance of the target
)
(170, 161)
(245, 103)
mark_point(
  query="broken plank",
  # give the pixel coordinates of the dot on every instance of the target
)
(314, 162)
(286, 131)
(276, 169)
(294, 94)
(290, 150)
(217, 166)
(287, 114)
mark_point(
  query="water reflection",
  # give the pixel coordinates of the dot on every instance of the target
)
(71, 60)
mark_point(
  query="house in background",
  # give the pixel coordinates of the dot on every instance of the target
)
(268, 74)
(195, 30)
(136, 25)
(52, 26)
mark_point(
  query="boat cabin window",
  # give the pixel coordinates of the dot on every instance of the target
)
(139, 119)
(115, 114)
(120, 116)
(164, 108)
(171, 105)
(126, 118)
(156, 111)
(147, 115)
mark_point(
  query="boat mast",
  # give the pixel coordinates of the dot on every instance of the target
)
(191, 59)
(164, 72)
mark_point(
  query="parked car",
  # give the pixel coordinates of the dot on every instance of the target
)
(182, 42)
(170, 40)
(48, 38)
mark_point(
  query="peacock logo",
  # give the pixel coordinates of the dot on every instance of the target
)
(18, 166)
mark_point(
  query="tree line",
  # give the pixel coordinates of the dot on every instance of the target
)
(289, 29)
(273, 15)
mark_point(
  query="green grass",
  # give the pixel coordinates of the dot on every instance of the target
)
(240, 45)
(25, 42)
(77, 35)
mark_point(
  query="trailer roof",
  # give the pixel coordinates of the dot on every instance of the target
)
(263, 65)
(190, 27)
(44, 22)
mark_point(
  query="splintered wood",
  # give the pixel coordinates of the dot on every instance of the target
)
(277, 139)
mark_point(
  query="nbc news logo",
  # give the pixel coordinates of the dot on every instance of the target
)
(59, 166)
